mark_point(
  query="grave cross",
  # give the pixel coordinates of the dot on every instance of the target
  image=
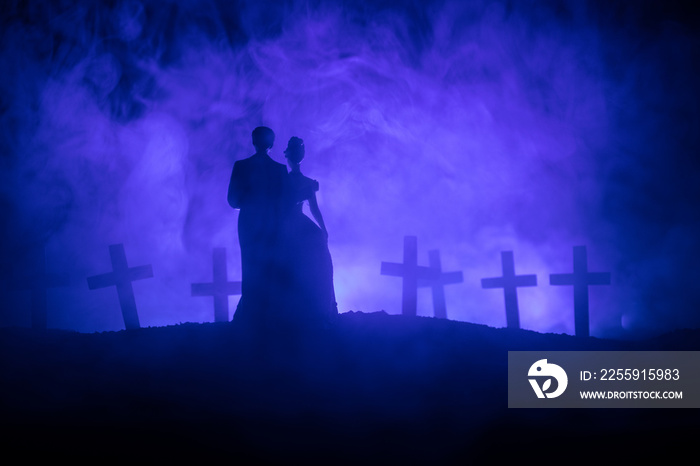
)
(220, 288)
(510, 283)
(410, 272)
(438, 282)
(121, 277)
(37, 283)
(414, 276)
(580, 279)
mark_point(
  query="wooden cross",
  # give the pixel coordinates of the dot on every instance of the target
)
(409, 271)
(38, 283)
(414, 276)
(580, 279)
(121, 277)
(438, 282)
(220, 288)
(510, 283)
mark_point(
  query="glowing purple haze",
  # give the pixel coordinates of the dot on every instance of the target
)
(476, 126)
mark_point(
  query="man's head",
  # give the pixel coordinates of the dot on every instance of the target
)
(263, 138)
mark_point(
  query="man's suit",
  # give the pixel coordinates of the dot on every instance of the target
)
(256, 188)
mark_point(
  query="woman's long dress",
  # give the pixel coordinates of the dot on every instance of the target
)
(311, 296)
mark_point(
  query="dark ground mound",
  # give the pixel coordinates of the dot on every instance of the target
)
(375, 387)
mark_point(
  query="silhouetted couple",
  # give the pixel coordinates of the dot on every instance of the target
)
(287, 272)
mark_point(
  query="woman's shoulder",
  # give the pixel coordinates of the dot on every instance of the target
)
(308, 184)
(300, 187)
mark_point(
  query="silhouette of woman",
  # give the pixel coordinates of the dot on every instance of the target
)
(310, 268)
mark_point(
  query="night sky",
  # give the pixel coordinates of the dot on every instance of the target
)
(478, 127)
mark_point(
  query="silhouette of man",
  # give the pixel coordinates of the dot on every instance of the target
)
(256, 188)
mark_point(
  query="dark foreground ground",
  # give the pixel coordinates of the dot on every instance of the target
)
(376, 388)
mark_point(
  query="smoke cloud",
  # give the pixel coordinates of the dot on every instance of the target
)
(478, 127)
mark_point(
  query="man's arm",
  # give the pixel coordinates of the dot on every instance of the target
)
(234, 188)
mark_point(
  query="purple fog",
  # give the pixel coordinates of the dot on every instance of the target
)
(478, 127)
